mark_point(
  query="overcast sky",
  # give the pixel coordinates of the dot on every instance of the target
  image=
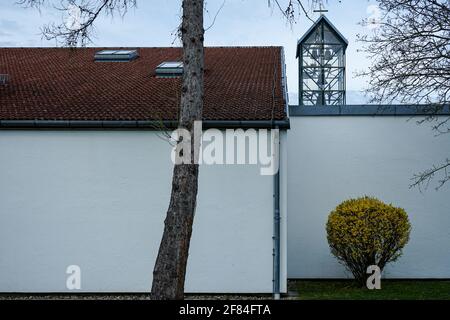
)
(239, 23)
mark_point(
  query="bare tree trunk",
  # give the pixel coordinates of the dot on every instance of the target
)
(170, 268)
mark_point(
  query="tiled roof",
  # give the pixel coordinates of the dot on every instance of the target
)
(241, 83)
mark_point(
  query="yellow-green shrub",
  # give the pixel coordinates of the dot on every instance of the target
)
(365, 231)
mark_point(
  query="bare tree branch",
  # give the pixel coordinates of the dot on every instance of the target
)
(79, 34)
(424, 178)
(291, 9)
(411, 63)
(215, 16)
(410, 52)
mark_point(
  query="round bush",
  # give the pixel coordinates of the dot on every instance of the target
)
(365, 231)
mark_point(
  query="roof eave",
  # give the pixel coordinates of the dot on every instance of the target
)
(139, 124)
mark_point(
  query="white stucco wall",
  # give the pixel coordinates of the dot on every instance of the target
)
(332, 159)
(98, 199)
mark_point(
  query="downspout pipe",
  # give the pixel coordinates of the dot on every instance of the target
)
(276, 230)
(276, 193)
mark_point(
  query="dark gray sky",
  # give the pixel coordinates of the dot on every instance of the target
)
(239, 23)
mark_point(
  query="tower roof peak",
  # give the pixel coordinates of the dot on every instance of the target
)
(322, 20)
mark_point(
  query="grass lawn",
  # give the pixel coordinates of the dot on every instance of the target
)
(390, 290)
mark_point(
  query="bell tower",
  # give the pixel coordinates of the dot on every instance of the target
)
(321, 54)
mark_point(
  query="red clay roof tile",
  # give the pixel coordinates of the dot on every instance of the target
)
(241, 83)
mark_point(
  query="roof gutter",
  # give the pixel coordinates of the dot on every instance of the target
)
(126, 124)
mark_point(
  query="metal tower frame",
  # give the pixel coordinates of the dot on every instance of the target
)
(321, 53)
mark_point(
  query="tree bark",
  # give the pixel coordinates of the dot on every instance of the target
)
(170, 268)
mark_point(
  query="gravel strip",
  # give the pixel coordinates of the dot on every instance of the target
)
(292, 295)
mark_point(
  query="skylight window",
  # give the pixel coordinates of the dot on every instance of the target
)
(125, 52)
(116, 55)
(169, 69)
